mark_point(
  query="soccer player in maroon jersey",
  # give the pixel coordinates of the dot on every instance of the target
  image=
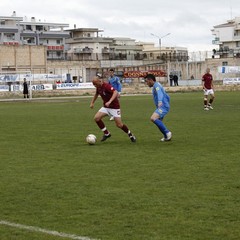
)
(207, 83)
(111, 107)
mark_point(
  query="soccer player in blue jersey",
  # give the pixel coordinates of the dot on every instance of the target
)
(162, 102)
(114, 81)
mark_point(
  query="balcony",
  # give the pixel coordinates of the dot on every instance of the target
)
(55, 48)
(85, 50)
(77, 50)
(226, 52)
(139, 56)
(11, 43)
(105, 51)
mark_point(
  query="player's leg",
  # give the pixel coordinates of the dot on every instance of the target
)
(98, 119)
(157, 118)
(211, 100)
(121, 125)
(205, 100)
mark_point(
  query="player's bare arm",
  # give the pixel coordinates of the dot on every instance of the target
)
(115, 94)
(93, 100)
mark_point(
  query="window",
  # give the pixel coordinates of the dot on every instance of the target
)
(224, 63)
(28, 27)
(39, 27)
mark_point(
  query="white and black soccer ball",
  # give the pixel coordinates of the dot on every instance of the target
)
(91, 139)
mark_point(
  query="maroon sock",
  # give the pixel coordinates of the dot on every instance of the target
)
(126, 130)
(101, 125)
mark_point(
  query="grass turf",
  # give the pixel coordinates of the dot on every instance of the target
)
(188, 188)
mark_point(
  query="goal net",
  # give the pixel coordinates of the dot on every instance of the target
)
(11, 84)
(40, 85)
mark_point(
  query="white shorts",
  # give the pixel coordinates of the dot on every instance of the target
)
(111, 111)
(208, 92)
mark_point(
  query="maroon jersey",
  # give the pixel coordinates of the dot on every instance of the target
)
(207, 79)
(106, 92)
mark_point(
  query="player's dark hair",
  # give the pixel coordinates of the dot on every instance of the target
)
(150, 76)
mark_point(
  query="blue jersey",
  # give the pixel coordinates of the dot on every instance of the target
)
(115, 83)
(160, 96)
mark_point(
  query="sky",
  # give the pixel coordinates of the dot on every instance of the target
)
(189, 22)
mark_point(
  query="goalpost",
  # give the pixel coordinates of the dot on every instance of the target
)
(39, 84)
(11, 84)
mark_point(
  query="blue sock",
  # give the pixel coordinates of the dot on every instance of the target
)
(161, 127)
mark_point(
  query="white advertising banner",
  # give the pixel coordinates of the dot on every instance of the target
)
(42, 87)
(36, 87)
(15, 88)
(229, 69)
(33, 77)
(67, 86)
(231, 81)
(4, 88)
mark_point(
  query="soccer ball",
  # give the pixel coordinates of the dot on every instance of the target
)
(91, 139)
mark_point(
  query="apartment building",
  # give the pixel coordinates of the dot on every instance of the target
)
(227, 37)
(87, 44)
(16, 31)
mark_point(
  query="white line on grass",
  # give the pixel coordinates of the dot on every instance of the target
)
(41, 230)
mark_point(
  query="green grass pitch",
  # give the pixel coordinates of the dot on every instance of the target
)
(186, 189)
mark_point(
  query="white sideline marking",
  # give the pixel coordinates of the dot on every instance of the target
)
(49, 232)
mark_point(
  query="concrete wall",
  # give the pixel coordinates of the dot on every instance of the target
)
(22, 58)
